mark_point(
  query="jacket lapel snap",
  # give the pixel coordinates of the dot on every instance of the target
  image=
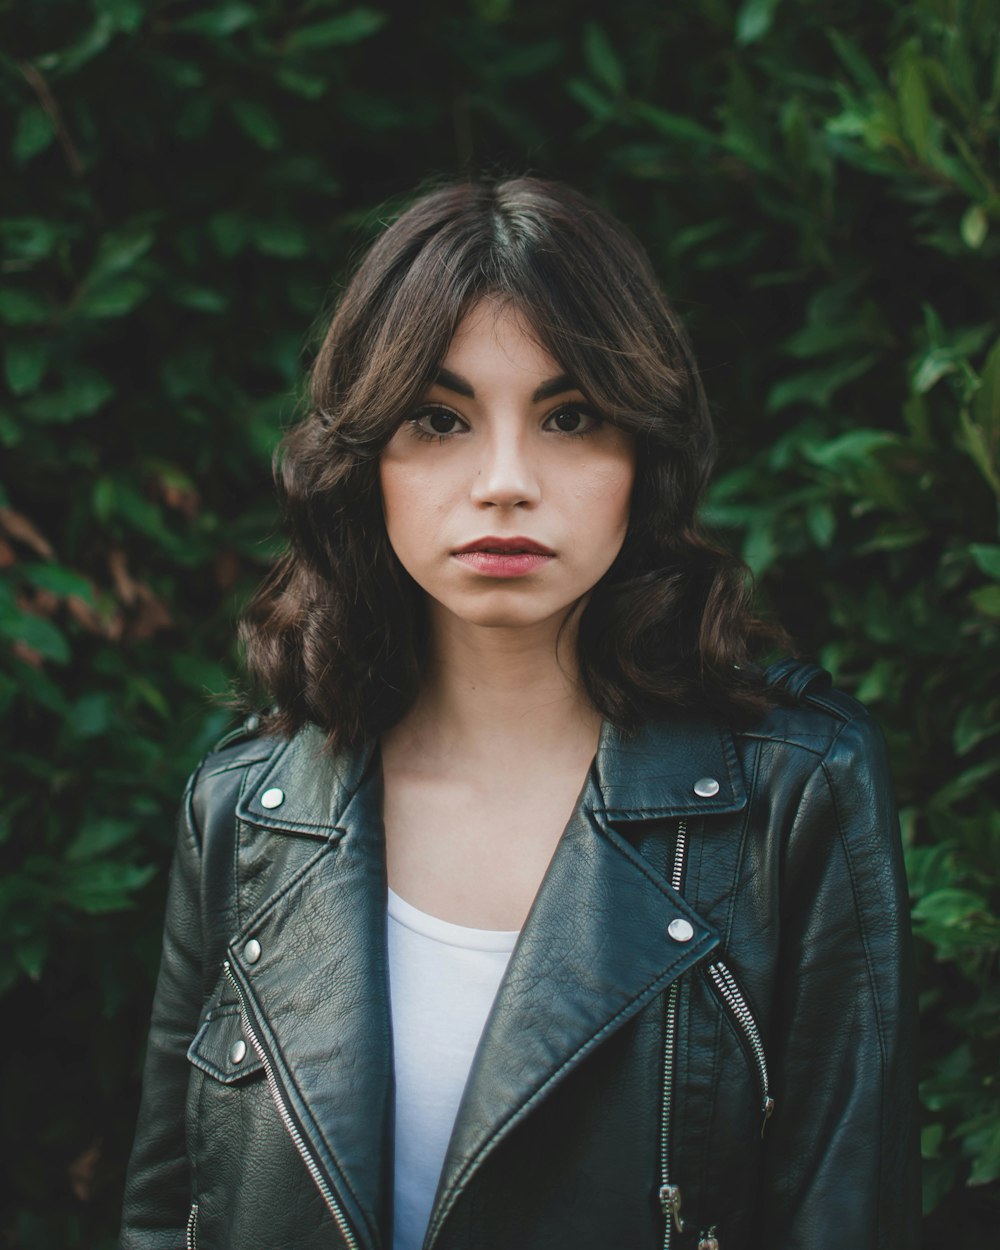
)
(595, 948)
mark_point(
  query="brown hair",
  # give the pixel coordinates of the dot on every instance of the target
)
(336, 633)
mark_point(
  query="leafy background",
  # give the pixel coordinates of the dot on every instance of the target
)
(185, 184)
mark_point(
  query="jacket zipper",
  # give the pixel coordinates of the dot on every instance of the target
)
(670, 1195)
(286, 1118)
(730, 993)
(191, 1234)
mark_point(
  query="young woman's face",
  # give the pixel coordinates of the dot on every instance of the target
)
(505, 496)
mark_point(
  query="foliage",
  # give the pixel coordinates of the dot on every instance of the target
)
(817, 184)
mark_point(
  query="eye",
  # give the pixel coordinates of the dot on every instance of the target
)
(434, 422)
(573, 419)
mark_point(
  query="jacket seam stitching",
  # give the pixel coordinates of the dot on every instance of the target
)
(868, 966)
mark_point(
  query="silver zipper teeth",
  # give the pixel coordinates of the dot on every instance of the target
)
(191, 1234)
(292, 1129)
(726, 984)
(670, 1195)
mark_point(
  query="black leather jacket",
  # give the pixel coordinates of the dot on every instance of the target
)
(705, 1030)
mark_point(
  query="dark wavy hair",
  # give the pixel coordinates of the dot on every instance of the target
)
(336, 634)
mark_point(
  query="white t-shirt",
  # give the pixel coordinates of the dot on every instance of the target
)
(442, 981)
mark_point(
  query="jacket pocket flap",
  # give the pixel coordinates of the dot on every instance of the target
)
(220, 1049)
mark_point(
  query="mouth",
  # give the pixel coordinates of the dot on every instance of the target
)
(505, 547)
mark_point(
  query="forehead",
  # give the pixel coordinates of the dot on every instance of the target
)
(494, 339)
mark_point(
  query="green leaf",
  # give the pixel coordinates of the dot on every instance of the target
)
(601, 58)
(849, 450)
(754, 20)
(309, 86)
(24, 364)
(974, 724)
(31, 953)
(112, 298)
(82, 397)
(286, 238)
(818, 387)
(61, 581)
(200, 298)
(986, 601)
(127, 15)
(32, 134)
(949, 907)
(974, 228)
(931, 1137)
(981, 446)
(99, 886)
(597, 105)
(219, 22)
(94, 41)
(985, 1148)
(347, 28)
(22, 308)
(987, 558)
(914, 104)
(29, 238)
(987, 400)
(674, 125)
(257, 122)
(91, 715)
(821, 523)
(119, 250)
(98, 836)
(36, 632)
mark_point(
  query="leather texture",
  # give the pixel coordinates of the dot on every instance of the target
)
(790, 878)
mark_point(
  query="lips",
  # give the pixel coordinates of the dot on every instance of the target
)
(505, 547)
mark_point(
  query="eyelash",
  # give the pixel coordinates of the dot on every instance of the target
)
(429, 436)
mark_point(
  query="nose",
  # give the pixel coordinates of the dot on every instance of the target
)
(506, 476)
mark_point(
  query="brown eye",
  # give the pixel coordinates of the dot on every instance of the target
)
(441, 422)
(436, 422)
(574, 420)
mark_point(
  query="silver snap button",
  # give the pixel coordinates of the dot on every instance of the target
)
(681, 930)
(251, 952)
(238, 1052)
(272, 798)
(706, 787)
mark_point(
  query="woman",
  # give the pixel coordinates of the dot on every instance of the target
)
(533, 915)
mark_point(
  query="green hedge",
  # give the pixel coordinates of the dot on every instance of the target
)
(185, 184)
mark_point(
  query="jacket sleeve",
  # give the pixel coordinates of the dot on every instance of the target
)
(840, 1153)
(158, 1184)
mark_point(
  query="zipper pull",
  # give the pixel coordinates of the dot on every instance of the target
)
(709, 1241)
(670, 1201)
(768, 1112)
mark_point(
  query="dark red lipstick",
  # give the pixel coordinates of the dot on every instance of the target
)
(504, 557)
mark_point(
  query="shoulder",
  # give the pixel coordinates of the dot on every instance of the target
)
(222, 774)
(811, 713)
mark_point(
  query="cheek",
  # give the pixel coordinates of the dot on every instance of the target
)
(412, 508)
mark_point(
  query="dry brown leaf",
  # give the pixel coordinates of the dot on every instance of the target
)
(184, 499)
(28, 654)
(81, 1171)
(17, 525)
(227, 569)
(126, 588)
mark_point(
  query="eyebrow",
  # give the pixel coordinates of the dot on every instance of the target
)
(554, 386)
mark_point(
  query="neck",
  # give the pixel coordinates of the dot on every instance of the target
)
(508, 697)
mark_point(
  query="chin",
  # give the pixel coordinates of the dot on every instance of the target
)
(509, 614)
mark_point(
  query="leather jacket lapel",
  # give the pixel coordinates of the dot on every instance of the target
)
(317, 989)
(595, 949)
